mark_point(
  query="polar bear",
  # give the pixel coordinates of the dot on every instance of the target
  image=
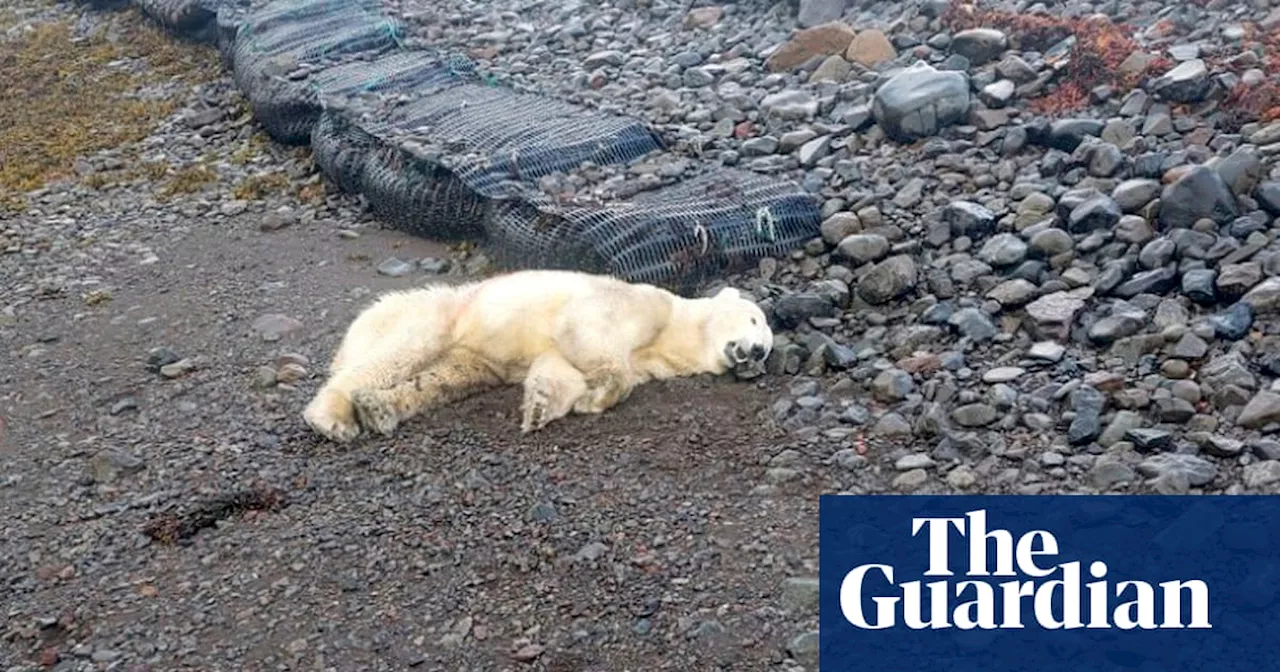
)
(577, 342)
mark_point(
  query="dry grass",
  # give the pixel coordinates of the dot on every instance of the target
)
(258, 187)
(78, 97)
(188, 180)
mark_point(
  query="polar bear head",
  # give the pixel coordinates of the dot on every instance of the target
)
(737, 330)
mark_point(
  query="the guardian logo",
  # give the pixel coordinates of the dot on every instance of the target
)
(981, 602)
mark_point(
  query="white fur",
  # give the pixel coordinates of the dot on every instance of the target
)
(577, 342)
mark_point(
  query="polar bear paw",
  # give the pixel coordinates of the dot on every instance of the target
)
(375, 411)
(605, 389)
(536, 408)
(333, 417)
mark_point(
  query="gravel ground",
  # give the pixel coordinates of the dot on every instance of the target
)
(1062, 280)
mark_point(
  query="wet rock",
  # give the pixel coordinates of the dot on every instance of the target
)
(1233, 323)
(1097, 213)
(969, 219)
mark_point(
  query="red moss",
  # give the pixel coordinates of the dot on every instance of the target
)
(1247, 104)
(1094, 60)
(1069, 96)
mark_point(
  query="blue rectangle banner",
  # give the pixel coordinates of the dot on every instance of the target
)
(1086, 583)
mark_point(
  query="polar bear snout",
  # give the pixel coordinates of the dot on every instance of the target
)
(742, 353)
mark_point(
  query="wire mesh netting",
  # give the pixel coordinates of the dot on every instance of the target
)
(679, 236)
(277, 49)
(436, 151)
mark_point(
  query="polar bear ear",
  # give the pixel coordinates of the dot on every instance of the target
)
(728, 293)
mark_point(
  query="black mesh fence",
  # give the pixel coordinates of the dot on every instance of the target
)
(437, 151)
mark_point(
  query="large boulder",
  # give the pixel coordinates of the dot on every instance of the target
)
(824, 40)
(1200, 193)
(920, 101)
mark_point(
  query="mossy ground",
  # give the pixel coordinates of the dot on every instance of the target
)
(72, 96)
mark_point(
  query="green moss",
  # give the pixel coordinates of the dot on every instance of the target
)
(76, 100)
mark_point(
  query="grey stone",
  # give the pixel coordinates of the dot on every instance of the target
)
(1188, 82)
(979, 45)
(1197, 470)
(864, 248)
(1005, 249)
(1097, 213)
(1198, 194)
(892, 385)
(816, 12)
(974, 415)
(1133, 195)
(888, 280)
(1261, 411)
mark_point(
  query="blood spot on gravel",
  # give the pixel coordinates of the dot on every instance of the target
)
(170, 528)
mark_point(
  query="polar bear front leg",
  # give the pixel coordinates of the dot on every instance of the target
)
(597, 337)
(551, 389)
(456, 375)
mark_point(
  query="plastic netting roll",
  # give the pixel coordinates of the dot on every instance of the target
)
(231, 13)
(340, 149)
(679, 236)
(194, 19)
(436, 152)
(490, 136)
(282, 45)
(292, 106)
(410, 194)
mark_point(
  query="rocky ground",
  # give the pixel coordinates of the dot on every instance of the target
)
(1048, 259)
(1057, 274)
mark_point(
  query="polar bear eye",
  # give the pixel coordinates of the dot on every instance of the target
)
(753, 321)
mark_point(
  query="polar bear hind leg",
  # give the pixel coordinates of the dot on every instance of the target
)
(456, 375)
(388, 342)
(551, 389)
